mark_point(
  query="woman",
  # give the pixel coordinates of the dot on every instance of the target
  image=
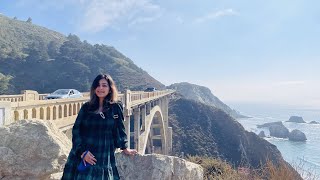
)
(97, 132)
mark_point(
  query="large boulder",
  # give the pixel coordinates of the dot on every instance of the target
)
(296, 135)
(296, 119)
(279, 131)
(32, 150)
(157, 167)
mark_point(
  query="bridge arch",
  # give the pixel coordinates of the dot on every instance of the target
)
(74, 109)
(154, 139)
(41, 113)
(54, 111)
(48, 113)
(65, 110)
(70, 110)
(25, 114)
(60, 112)
(34, 113)
(16, 115)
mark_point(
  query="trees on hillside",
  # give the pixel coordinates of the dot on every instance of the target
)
(29, 20)
(4, 83)
(45, 66)
(37, 52)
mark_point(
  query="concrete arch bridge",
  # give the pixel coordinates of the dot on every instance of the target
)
(145, 113)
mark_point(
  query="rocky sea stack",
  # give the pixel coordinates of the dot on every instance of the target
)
(296, 135)
(296, 119)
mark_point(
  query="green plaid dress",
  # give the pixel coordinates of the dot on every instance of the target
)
(101, 137)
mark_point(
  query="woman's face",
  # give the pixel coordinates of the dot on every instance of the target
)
(103, 89)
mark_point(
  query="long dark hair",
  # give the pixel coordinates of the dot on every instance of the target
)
(112, 97)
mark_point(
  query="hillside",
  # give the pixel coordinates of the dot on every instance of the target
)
(204, 95)
(17, 35)
(199, 129)
(36, 58)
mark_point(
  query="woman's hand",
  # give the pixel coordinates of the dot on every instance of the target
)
(89, 158)
(130, 152)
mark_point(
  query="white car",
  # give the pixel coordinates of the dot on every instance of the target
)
(64, 93)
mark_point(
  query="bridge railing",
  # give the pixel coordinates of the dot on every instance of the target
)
(139, 97)
(42, 96)
(12, 98)
(35, 96)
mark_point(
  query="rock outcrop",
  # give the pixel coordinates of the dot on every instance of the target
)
(314, 122)
(296, 119)
(157, 167)
(38, 150)
(279, 131)
(296, 135)
(204, 95)
(261, 134)
(32, 150)
(267, 125)
(276, 129)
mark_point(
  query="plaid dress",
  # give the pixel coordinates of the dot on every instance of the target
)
(101, 137)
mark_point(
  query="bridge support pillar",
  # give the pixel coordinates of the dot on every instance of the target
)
(143, 118)
(136, 113)
(127, 126)
(169, 140)
(148, 108)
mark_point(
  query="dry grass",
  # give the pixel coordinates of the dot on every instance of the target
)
(277, 172)
(218, 169)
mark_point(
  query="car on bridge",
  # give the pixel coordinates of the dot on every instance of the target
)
(64, 93)
(150, 89)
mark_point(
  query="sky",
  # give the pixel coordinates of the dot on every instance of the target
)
(244, 51)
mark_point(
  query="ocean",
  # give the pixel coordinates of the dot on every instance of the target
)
(303, 155)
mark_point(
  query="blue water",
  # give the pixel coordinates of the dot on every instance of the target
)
(303, 155)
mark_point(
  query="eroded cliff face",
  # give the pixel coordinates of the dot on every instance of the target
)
(199, 129)
(36, 149)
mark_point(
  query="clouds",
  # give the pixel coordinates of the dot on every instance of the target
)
(141, 20)
(215, 15)
(101, 14)
(97, 15)
(94, 16)
(290, 83)
(48, 4)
